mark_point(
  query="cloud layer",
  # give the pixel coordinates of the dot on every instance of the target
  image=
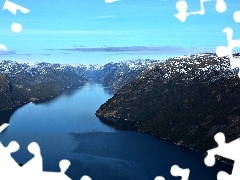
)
(126, 49)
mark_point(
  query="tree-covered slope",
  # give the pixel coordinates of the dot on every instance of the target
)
(22, 82)
(186, 100)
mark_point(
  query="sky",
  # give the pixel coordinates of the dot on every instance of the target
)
(96, 32)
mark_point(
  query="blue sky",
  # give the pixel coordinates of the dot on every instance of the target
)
(92, 31)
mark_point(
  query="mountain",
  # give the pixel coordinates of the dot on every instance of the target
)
(22, 82)
(186, 100)
(116, 75)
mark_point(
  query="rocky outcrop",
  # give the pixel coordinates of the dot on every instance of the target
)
(21, 83)
(116, 75)
(186, 100)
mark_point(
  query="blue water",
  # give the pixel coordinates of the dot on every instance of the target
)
(67, 128)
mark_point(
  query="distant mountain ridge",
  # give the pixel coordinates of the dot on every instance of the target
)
(185, 99)
(21, 82)
(116, 75)
(33, 82)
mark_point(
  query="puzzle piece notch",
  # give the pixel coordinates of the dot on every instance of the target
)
(182, 15)
(13, 146)
(35, 164)
(85, 178)
(225, 176)
(210, 159)
(227, 50)
(64, 165)
(7, 164)
(16, 27)
(236, 16)
(33, 169)
(228, 150)
(12, 7)
(177, 171)
(182, 7)
(221, 6)
(159, 178)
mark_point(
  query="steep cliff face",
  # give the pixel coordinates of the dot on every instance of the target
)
(22, 82)
(116, 75)
(186, 100)
(4, 84)
(9, 95)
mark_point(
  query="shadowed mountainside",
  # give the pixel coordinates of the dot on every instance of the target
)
(23, 82)
(186, 100)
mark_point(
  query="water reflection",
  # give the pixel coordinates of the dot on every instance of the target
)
(6, 115)
(126, 155)
(94, 148)
(70, 92)
(110, 92)
(67, 93)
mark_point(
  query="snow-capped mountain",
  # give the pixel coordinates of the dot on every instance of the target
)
(184, 99)
(25, 81)
(116, 75)
(200, 67)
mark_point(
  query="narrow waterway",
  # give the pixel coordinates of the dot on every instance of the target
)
(67, 128)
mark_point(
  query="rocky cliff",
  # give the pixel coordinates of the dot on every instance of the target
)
(116, 75)
(21, 82)
(186, 100)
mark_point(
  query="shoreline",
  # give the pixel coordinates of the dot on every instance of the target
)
(113, 122)
(41, 100)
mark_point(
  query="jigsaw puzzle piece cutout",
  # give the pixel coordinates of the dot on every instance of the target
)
(227, 50)
(177, 171)
(5, 155)
(224, 149)
(221, 6)
(159, 178)
(227, 150)
(12, 7)
(182, 7)
(7, 164)
(85, 178)
(225, 176)
(35, 164)
(236, 16)
(63, 164)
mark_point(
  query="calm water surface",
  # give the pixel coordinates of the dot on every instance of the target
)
(67, 128)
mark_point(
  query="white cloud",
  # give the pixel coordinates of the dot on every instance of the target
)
(111, 1)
